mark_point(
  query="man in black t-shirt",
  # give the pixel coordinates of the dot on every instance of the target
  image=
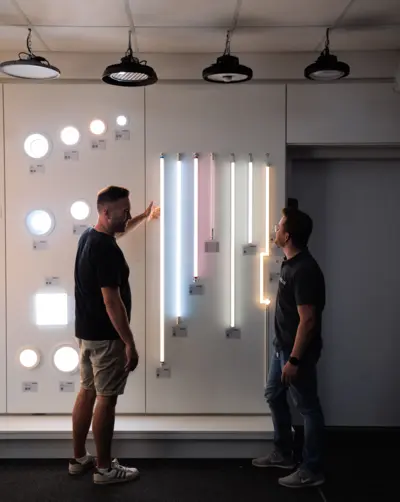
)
(298, 343)
(107, 347)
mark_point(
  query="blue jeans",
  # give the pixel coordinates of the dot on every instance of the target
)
(304, 393)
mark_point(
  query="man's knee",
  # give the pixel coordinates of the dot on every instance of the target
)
(87, 394)
(107, 401)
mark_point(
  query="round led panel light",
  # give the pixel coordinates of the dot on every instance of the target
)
(66, 359)
(36, 146)
(97, 127)
(122, 120)
(80, 210)
(29, 358)
(70, 135)
(40, 222)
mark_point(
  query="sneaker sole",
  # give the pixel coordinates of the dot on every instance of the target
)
(276, 466)
(115, 481)
(306, 485)
(81, 472)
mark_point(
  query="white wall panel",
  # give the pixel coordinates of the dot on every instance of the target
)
(210, 374)
(348, 113)
(47, 109)
(3, 363)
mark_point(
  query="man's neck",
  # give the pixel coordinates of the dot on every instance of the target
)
(100, 228)
(291, 252)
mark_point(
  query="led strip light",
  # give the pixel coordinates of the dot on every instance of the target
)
(263, 300)
(196, 217)
(232, 310)
(250, 201)
(178, 251)
(162, 264)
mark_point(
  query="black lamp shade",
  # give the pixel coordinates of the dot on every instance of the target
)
(129, 73)
(227, 70)
(327, 68)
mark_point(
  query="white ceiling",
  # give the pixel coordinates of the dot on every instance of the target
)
(199, 26)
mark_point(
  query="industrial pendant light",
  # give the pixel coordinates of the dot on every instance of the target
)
(227, 69)
(130, 72)
(327, 67)
(30, 66)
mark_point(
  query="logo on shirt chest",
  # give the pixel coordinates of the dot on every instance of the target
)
(282, 281)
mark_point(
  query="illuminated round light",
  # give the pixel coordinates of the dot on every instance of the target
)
(66, 359)
(122, 120)
(70, 135)
(29, 358)
(80, 210)
(36, 146)
(40, 222)
(97, 127)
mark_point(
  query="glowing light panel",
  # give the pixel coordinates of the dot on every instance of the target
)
(36, 146)
(233, 165)
(70, 135)
(66, 359)
(122, 120)
(29, 358)
(212, 196)
(263, 300)
(97, 127)
(196, 217)
(40, 222)
(250, 202)
(80, 210)
(178, 252)
(51, 309)
(162, 253)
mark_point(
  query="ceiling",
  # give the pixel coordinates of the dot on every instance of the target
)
(193, 26)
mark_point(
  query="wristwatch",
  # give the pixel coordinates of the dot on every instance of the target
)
(294, 361)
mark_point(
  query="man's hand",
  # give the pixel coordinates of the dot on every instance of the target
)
(132, 358)
(152, 212)
(289, 373)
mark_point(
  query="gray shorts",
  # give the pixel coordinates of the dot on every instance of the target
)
(102, 366)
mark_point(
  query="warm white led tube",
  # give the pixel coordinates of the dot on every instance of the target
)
(232, 310)
(250, 201)
(263, 300)
(178, 251)
(162, 264)
(196, 217)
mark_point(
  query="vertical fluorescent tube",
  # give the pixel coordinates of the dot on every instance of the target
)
(178, 251)
(233, 165)
(162, 254)
(267, 229)
(250, 201)
(196, 217)
(212, 196)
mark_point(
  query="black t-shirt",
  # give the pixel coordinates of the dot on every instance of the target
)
(301, 282)
(99, 263)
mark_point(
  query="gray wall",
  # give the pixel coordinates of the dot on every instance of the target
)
(356, 238)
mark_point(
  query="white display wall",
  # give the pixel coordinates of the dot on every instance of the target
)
(208, 372)
(67, 174)
(205, 371)
(3, 345)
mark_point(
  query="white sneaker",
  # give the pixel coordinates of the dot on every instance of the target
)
(116, 474)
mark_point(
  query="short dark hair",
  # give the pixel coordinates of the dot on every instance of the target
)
(111, 194)
(298, 225)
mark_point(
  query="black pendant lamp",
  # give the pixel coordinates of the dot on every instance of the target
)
(227, 69)
(130, 72)
(30, 66)
(327, 67)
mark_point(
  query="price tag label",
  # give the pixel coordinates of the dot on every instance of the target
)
(72, 155)
(40, 245)
(79, 229)
(67, 386)
(37, 168)
(98, 144)
(29, 386)
(123, 135)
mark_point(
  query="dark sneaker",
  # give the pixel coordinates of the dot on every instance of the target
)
(302, 479)
(76, 468)
(275, 459)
